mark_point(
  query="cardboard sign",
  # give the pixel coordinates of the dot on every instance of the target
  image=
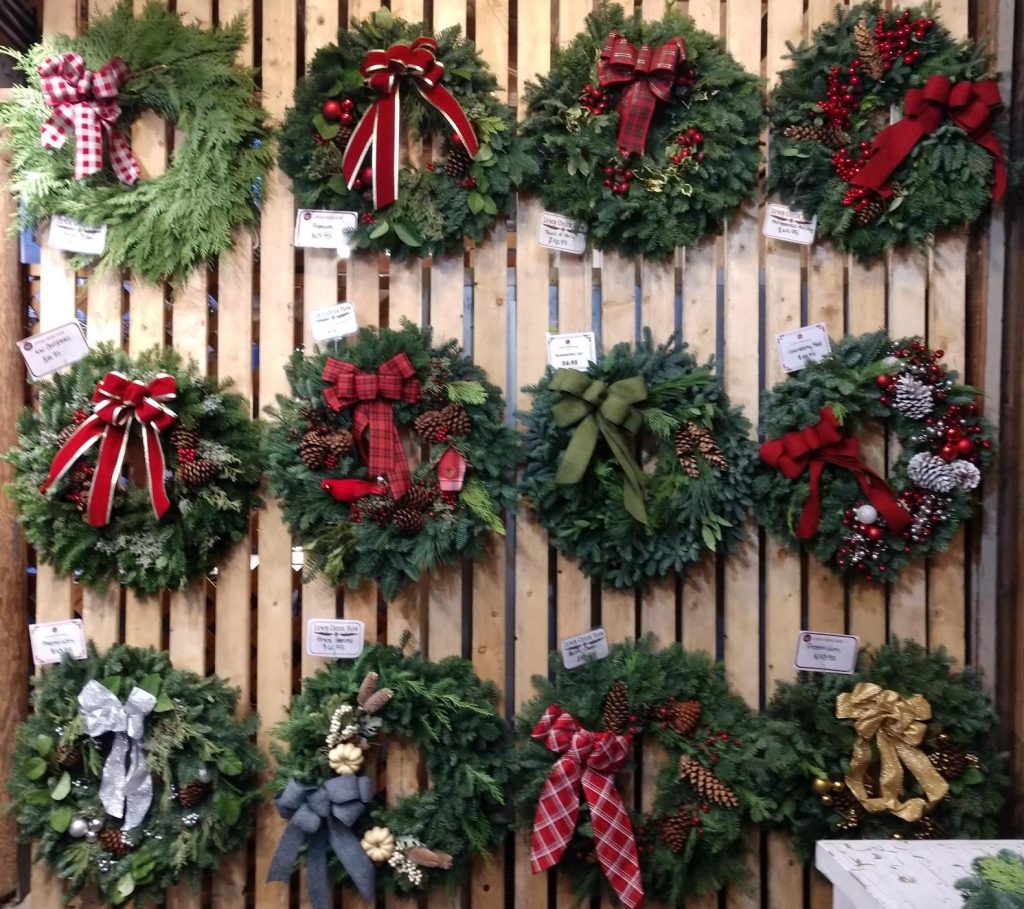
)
(333, 322)
(573, 350)
(561, 233)
(51, 641)
(582, 648)
(51, 350)
(342, 639)
(782, 223)
(808, 344)
(317, 229)
(826, 652)
(67, 234)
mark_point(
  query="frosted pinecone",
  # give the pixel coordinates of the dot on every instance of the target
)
(930, 472)
(965, 474)
(913, 399)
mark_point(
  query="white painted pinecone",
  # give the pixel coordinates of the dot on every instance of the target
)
(966, 474)
(913, 398)
(930, 472)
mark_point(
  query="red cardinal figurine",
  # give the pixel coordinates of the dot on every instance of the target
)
(352, 490)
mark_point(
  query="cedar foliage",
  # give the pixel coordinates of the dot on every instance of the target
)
(997, 882)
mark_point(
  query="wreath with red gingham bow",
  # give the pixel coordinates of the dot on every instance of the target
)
(70, 138)
(586, 731)
(391, 456)
(647, 132)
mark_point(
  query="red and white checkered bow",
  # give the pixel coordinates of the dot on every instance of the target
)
(85, 103)
(590, 758)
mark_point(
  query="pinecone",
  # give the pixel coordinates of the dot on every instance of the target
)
(324, 161)
(456, 420)
(965, 474)
(407, 521)
(430, 425)
(675, 829)
(685, 452)
(950, 762)
(684, 717)
(844, 801)
(913, 398)
(870, 210)
(707, 446)
(184, 438)
(706, 783)
(66, 433)
(68, 755)
(338, 443)
(418, 498)
(927, 829)
(457, 162)
(313, 450)
(867, 50)
(344, 134)
(930, 472)
(831, 136)
(112, 842)
(196, 473)
(193, 793)
(615, 713)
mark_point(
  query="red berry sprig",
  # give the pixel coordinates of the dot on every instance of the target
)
(842, 98)
(618, 178)
(894, 41)
(368, 217)
(594, 100)
(690, 144)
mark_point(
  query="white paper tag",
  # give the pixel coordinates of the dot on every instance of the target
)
(573, 350)
(320, 229)
(561, 233)
(67, 234)
(582, 648)
(333, 322)
(808, 344)
(51, 641)
(342, 639)
(51, 350)
(782, 223)
(817, 652)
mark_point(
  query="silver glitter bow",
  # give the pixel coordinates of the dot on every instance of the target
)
(125, 793)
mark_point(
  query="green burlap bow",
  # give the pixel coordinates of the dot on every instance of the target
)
(608, 409)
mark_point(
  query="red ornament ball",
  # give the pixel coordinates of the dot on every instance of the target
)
(965, 448)
(948, 452)
(331, 110)
(366, 175)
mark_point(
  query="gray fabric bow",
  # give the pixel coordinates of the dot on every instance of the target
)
(317, 816)
(125, 793)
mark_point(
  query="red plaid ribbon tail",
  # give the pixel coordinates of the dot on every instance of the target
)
(588, 759)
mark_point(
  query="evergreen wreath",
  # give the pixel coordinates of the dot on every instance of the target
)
(460, 192)
(346, 492)
(198, 759)
(211, 454)
(834, 103)
(691, 840)
(639, 189)
(997, 882)
(346, 714)
(806, 752)
(811, 421)
(158, 227)
(669, 477)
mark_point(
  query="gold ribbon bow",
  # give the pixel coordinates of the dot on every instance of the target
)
(895, 726)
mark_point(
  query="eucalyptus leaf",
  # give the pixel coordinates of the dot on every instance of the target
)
(63, 787)
(60, 818)
(123, 889)
(44, 744)
(35, 767)
(407, 233)
(380, 228)
(337, 184)
(476, 202)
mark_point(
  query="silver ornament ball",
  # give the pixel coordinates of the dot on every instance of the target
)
(91, 835)
(78, 828)
(95, 824)
(203, 775)
(866, 514)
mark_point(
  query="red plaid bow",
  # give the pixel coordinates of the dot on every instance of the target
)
(816, 446)
(372, 395)
(85, 103)
(968, 104)
(117, 402)
(384, 71)
(590, 758)
(650, 75)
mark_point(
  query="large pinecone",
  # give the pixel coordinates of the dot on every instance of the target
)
(193, 793)
(867, 50)
(684, 717)
(66, 433)
(675, 829)
(407, 521)
(431, 425)
(69, 755)
(418, 498)
(615, 713)
(184, 438)
(927, 829)
(870, 211)
(685, 452)
(339, 442)
(706, 783)
(112, 842)
(831, 136)
(950, 762)
(196, 473)
(931, 472)
(456, 420)
(691, 439)
(913, 398)
(313, 450)
(344, 134)
(457, 162)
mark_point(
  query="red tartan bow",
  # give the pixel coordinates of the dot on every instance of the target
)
(117, 402)
(384, 71)
(969, 105)
(590, 758)
(824, 444)
(650, 73)
(372, 395)
(85, 103)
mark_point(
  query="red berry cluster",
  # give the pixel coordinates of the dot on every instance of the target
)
(81, 480)
(593, 99)
(690, 143)
(715, 742)
(368, 217)
(186, 455)
(618, 178)
(866, 546)
(894, 41)
(80, 417)
(842, 98)
(342, 110)
(467, 182)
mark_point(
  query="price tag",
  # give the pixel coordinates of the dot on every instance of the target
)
(561, 233)
(67, 234)
(582, 648)
(782, 223)
(51, 641)
(826, 652)
(805, 345)
(333, 322)
(318, 229)
(342, 639)
(575, 350)
(51, 350)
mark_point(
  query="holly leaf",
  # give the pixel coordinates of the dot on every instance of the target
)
(62, 789)
(490, 206)
(335, 88)
(44, 744)
(123, 889)
(337, 184)
(60, 818)
(476, 202)
(35, 767)
(227, 806)
(229, 764)
(151, 683)
(323, 126)
(380, 228)
(407, 234)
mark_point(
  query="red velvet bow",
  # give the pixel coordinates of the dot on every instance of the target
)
(384, 71)
(590, 759)
(85, 103)
(816, 446)
(118, 401)
(372, 395)
(650, 75)
(969, 105)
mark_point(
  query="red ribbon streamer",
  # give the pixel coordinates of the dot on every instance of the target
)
(650, 75)
(349, 491)
(372, 396)
(589, 759)
(118, 401)
(85, 104)
(384, 71)
(970, 105)
(816, 446)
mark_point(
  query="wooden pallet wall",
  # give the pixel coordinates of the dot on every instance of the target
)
(729, 296)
